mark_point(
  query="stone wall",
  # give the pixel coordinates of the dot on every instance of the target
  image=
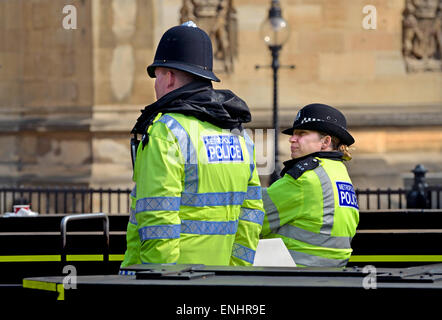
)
(68, 98)
(46, 93)
(123, 43)
(395, 116)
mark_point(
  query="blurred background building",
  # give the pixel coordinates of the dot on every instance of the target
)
(69, 97)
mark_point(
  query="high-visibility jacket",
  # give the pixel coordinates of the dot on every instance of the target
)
(314, 209)
(197, 197)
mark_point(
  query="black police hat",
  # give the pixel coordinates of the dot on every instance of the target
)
(186, 48)
(323, 118)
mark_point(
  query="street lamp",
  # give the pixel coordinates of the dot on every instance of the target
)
(275, 32)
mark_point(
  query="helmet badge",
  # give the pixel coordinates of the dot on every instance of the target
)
(189, 23)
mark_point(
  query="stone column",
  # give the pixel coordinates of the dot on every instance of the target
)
(46, 94)
(123, 41)
(69, 97)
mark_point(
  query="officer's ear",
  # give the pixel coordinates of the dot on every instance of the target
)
(171, 79)
(168, 77)
(326, 143)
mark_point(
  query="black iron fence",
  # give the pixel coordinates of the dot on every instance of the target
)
(377, 199)
(66, 200)
(117, 201)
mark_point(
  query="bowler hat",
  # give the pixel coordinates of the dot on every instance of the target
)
(186, 48)
(323, 118)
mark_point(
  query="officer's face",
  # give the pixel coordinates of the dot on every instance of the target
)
(304, 142)
(162, 82)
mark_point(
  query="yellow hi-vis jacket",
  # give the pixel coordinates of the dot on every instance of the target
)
(197, 198)
(314, 209)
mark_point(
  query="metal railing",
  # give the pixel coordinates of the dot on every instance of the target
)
(87, 216)
(381, 199)
(53, 200)
(117, 201)
(370, 199)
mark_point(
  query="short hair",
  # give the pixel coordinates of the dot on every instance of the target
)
(183, 76)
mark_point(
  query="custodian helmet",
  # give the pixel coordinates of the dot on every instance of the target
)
(186, 48)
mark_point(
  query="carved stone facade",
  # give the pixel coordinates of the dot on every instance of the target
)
(68, 98)
(422, 35)
(218, 19)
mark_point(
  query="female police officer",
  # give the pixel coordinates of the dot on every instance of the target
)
(313, 207)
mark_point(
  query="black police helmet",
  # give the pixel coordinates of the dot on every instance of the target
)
(323, 118)
(186, 48)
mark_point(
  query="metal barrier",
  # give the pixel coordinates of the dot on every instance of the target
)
(63, 227)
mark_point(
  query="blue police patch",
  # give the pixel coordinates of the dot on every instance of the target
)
(347, 195)
(223, 148)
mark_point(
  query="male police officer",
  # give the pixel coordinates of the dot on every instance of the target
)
(197, 197)
(313, 207)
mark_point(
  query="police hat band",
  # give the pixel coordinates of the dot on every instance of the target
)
(305, 120)
(330, 128)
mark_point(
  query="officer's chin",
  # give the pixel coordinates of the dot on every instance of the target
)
(296, 155)
(299, 155)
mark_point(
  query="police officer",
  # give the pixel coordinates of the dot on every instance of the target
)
(313, 207)
(197, 197)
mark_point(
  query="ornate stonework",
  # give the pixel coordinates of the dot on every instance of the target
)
(422, 35)
(69, 97)
(218, 19)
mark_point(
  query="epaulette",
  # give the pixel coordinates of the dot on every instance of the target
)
(302, 166)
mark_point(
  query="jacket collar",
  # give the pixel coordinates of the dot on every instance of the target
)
(332, 155)
(198, 98)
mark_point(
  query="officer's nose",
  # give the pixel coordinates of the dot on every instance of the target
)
(293, 138)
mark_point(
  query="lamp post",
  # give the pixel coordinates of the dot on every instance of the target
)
(275, 32)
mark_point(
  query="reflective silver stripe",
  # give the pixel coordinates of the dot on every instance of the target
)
(305, 259)
(253, 193)
(212, 199)
(188, 151)
(328, 200)
(252, 215)
(168, 231)
(134, 192)
(242, 252)
(271, 211)
(316, 239)
(157, 203)
(132, 218)
(250, 149)
(209, 227)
